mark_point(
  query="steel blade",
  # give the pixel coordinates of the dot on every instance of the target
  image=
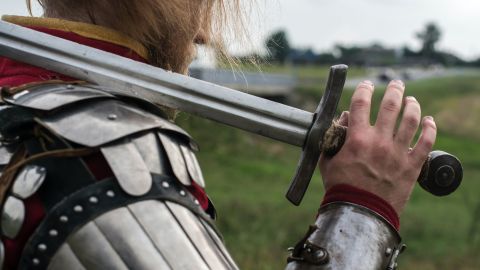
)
(228, 106)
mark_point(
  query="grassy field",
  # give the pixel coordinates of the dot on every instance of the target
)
(247, 176)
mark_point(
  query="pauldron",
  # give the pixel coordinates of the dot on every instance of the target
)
(140, 216)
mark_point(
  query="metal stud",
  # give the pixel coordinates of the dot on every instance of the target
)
(196, 202)
(13, 216)
(36, 261)
(78, 208)
(70, 87)
(182, 193)
(388, 252)
(42, 247)
(112, 117)
(53, 233)
(64, 219)
(110, 193)
(165, 184)
(93, 199)
(320, 256)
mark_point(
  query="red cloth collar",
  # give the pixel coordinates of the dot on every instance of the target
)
(13, 73)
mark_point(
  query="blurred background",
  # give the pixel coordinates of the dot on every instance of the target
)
(432, 45)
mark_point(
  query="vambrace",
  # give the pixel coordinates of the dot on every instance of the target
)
(347, 236)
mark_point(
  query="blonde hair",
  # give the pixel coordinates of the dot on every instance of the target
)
(167, 28)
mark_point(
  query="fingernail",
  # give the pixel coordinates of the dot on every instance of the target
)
(400, 82)
(368, 82)
(431, 120)
(412, 98)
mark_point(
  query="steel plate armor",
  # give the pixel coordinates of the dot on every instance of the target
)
(141, 216)
(347, 236)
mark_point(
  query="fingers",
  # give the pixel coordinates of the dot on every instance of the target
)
(409, 123)
(360, 106)
(390, 107)
(425, 141)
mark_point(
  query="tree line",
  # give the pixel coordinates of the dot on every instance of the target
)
(281, 52)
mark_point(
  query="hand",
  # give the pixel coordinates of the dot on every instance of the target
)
(379, 158)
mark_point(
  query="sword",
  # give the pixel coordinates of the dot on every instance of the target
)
(228, 106)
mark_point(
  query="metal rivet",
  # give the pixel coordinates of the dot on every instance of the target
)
(78, 208)
(53, 232)
(93, 199)
(42, 247)
(110, 193)
(36, 261)
(182, 193)
(165, 184)
(196, 202)
(112, 116)
(388, 252)
(321, 256)
(309, 250)
(64, 219)
(70, 86)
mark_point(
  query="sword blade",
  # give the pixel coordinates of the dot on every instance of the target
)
(228, 106)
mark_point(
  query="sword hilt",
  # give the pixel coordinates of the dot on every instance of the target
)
(322, 120)
(441, 173)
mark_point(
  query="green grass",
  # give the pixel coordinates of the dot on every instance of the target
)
(247, 176)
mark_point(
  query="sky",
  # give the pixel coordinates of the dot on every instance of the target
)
(320, 24)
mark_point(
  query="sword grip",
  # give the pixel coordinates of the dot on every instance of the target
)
(441, 173)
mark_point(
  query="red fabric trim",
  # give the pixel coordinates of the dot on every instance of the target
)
(98, 166)
(199, 193)
(351, 194)
(13, 73)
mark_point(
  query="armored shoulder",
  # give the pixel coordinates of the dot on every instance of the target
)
(111, 172)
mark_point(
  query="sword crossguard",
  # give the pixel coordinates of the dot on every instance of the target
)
(323, 118)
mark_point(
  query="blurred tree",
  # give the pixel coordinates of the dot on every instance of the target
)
(278, 46)
(429, 37)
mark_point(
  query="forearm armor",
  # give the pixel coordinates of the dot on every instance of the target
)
(347, 236)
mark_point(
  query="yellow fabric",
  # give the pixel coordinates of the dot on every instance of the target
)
(84, 29)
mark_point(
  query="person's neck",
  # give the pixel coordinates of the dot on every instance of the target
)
(83, 17)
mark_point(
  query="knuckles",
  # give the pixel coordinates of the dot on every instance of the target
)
(412, 121)
(360, 103)
(391, 105)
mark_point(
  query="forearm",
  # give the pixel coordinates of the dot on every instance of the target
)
(347, 236)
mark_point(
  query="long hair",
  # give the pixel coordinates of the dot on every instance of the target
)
(167, 28)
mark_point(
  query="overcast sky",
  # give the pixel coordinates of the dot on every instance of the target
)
(322, 23)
